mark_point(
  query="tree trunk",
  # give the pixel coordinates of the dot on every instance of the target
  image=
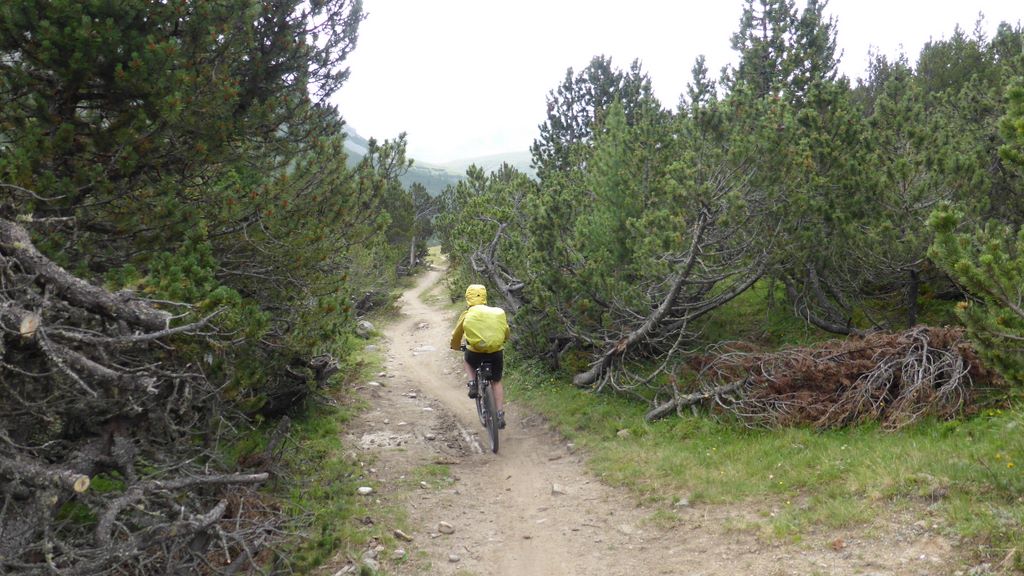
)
(912, 290)
(485, 262)
(803, 309)
(598, 368)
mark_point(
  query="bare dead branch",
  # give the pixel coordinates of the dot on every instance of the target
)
(139, 491)
(690, 399)
(16, 244)
(79, 336)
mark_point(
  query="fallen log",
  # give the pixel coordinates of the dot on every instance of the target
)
(691, 399)
(16, 243)
(39, 476)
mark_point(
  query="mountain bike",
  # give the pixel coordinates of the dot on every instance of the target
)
(486, 407)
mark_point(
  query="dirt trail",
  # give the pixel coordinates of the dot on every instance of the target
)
(534, 509)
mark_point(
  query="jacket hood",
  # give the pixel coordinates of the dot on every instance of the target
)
(476, 294)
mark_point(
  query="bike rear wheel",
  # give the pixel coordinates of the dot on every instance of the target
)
(481, 410)
(492, 417)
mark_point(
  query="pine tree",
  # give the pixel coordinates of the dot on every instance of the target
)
(989, 263)
(481, 223)
(424, 208)
(907, 161)
(578, 104)
(764, 43)
(788, 63)
(577, 114)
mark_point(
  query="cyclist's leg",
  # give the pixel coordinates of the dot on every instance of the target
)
(497, 372)
(499, 402)
(471, 361)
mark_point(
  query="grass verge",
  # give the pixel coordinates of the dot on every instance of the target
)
(319, 486)
(965, 477)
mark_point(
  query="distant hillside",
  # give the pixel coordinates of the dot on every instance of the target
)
(435, 177)
(519, 160)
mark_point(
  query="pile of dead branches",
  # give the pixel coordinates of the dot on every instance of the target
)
(110, 431)
(895, 379)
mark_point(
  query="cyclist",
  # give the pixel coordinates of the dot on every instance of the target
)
(486, 331)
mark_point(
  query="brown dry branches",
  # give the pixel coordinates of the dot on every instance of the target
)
(106, 420)
(895, 379)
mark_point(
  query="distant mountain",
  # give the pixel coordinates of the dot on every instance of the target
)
(354, 142)
(518, 160)
(436, 177)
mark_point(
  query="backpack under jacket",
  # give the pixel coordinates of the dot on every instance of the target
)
(486, 328)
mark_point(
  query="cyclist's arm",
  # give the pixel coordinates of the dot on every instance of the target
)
(457, 333)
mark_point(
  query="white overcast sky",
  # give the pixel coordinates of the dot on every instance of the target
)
(467, 78)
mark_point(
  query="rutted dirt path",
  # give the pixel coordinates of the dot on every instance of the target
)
(534, 509)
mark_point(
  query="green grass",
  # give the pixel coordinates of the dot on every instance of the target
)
(764, 316)
(435, 257)
(323, 488)
(970, 471)
(320, 489)
(761, 315)
(663, 519)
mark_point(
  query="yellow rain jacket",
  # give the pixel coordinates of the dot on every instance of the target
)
(485, 327)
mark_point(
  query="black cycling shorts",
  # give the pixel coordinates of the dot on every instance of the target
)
(497, 360)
